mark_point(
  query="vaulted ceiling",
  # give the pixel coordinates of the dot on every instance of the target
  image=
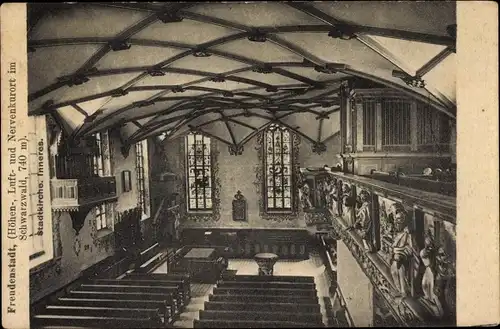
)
(230, 69)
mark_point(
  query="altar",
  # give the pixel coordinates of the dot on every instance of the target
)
(203, 264)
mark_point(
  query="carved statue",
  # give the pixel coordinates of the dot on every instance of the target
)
(364, 221)
(402, 250)
(331, 195)
(306, 196)
(347, 204)
(430, 299)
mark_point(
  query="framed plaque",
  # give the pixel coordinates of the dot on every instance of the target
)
(239, 207)
(126, 181)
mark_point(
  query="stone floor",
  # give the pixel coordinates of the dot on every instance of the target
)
(310, 267)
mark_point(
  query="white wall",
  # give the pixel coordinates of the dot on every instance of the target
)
(355, 286)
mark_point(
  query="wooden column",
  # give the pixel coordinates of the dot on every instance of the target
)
(342, 118)
(413, 126)
(378, 126)
(348, 125)
(359, 126)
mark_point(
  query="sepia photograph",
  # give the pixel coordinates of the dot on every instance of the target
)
(234, 165)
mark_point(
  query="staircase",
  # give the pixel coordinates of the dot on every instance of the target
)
(199, 296)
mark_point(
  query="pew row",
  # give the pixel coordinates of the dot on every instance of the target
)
(262, 299)
(251, 284)
(315, 318)
(202, 323)
(264, 291)
(72, 321)
(275, 278)
(165, 310)
(262, 307)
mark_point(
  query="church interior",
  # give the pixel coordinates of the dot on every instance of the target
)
(242, 165)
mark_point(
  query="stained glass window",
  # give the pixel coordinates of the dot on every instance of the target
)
(278, 168)
(199, 172)
(103, 212)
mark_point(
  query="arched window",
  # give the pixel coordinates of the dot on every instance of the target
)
(199, 172)
(142, 171)
(278, 169)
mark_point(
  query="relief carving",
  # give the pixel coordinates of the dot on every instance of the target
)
(438, 279)
(402, 250)
(364, 221)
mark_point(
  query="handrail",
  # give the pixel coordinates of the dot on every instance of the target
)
(443, 204)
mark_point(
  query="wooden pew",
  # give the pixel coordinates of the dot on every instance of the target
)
(263, 299)
(151, 313)
(183, 288)
(272, 278)
(262, 316)
(172, 293)
(263, 291)
(164, 309)
(72, 321)
(167, 298)
(177, 294)
(262, 307)
(249, 324)
(251, 284)
(184, 279)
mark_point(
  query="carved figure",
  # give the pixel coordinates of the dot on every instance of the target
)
(402, 250)
(347, 204)
(364, 222)
(430, 299)
(305, 196)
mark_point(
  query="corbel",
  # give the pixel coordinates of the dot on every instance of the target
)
(118, 45)
(199, 52)
(169, 17)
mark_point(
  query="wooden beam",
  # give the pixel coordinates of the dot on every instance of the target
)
(370, 30)
(427, 67)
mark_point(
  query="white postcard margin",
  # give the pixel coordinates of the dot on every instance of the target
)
(478, 279)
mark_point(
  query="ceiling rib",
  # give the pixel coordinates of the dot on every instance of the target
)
(433, 62)
(384, 32)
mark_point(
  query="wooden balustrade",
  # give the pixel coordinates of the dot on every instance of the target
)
(71, 194)
(403, 239)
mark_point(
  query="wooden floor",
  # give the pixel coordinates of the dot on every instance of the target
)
(310, 267)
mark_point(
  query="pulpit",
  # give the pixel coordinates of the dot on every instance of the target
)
(266, 263)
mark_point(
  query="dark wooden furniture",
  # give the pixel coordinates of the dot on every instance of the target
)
(204, 265)
(249, 301)
(245, 243)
